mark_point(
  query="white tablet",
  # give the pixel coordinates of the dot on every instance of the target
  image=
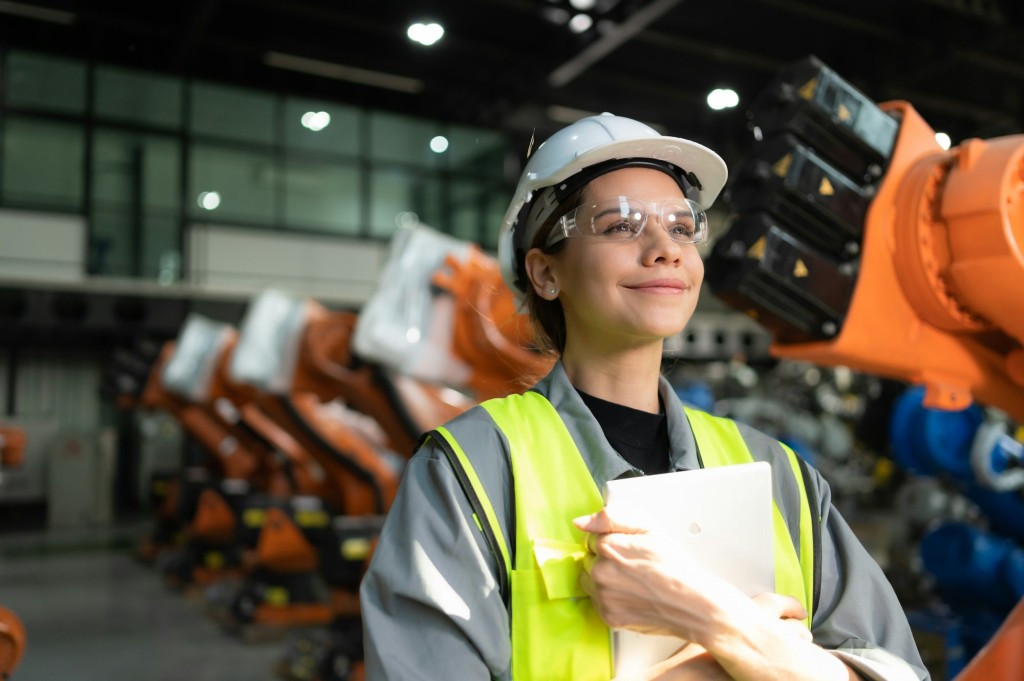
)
(723, 516)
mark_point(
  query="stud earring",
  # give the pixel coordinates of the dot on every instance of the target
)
(552, 291)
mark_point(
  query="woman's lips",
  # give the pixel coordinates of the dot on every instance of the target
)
(660, 286)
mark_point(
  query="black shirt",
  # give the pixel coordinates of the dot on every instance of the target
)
(641, 438)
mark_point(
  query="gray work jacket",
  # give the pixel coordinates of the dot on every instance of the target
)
(430, 600)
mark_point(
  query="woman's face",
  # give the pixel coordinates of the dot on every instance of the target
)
(622, 294)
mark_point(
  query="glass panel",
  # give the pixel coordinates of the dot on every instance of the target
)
(466, 209)
(341, 134)
(397, 191)
(403, 139)
(322, 196)
(130, 168)
(232, 185)
(125, 244)
(477, 211)
(161, 248)
(113, 242)
(135, 222)
(232, 113)
(46, 83)
(477, 152)
(495, 204)
(42, 163)
(138, 97)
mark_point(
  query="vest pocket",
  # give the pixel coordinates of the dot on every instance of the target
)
(560, 564)
(556, 638)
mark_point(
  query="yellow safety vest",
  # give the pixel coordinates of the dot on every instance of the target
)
(556, 632)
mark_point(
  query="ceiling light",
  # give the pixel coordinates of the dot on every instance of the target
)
(583, 5)
(316, 120)
(723, 98)
(580, 23)
(439, 144)
(425, 34)
(943, 139)
(208, 200)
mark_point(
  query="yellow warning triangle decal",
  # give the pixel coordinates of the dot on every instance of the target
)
(800, 269)
(807, 91)
(781, 166)
(826, 188)
(757, 250)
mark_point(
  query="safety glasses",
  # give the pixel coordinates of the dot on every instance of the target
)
(622, 218)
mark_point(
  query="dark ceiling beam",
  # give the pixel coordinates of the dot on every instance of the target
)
(715, 51)
(609, 42)
(815, 11)
(989, 10)
(988, 62)
(954, 107)
(201, 19)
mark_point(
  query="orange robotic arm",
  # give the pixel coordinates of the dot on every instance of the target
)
(926, 288)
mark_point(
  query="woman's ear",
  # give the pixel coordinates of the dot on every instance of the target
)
(542, 276)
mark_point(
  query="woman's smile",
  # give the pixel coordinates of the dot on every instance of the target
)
(660, 287)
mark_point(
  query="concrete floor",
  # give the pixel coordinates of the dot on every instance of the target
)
(96, 614)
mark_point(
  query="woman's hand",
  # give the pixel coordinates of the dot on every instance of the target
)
(691, 663)
(638, 580)
(641, 581)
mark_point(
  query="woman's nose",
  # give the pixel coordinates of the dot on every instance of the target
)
(658, 244)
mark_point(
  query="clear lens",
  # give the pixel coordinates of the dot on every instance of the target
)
(623, 218)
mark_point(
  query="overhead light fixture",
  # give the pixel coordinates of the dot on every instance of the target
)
(723, 98)
(316, 120)
(943, 139)
(425, 34)
(583, 5)
(54, 16)
(326, 69)
(439, 144)
(580, 23)
(208, 200)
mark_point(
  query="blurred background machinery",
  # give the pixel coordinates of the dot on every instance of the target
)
(244, 262)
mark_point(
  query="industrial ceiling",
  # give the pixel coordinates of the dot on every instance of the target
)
(515, 65)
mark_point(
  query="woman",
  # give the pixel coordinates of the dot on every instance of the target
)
(497, 559)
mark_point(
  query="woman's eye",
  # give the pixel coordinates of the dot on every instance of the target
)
(683, 228)
(620, 227)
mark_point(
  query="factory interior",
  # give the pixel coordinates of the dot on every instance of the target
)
(248, 256)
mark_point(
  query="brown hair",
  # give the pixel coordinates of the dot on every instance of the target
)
(546, 316)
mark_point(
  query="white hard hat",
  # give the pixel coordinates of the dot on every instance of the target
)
(585, 149)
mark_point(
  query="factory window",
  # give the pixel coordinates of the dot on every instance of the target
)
(466, 210)
(323, 196)
(495, 205)
(42, 164)
(138, 97)
(136, 200)
(318, 126)
(232, 186)
(403, 139)
(253, 158)
(231, 113)
(396, 192)
(476, 211)
(44, 83)
(476, 152)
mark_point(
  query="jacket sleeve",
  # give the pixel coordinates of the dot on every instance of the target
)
(859, 616)
(430, 601)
